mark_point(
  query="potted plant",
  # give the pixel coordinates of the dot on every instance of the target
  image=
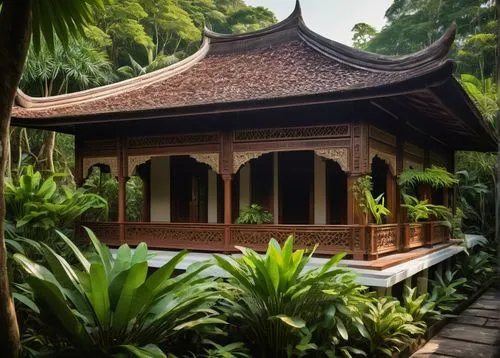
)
(254, 214)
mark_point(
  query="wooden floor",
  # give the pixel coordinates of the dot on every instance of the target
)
(474, 333)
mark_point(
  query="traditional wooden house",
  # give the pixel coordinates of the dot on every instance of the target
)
(282, 117)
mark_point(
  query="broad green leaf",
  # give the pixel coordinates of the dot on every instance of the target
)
(295, 322)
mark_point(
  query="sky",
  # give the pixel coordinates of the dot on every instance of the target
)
(332, 18)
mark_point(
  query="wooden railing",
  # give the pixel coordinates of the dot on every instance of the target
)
(360, 241)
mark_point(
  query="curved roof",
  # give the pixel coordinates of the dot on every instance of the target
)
(281, 61)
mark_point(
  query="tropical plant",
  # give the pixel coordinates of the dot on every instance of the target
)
(388, 327)
(476, 268)
(444, 291)
(281, 310)
(232, 350)
(110, 306)
(38, 207)
(483, 93)
(377, 207)
(435, 177)
(421, 308)
(21, 21)
(254, 214)
(367, 204)
(422, 210)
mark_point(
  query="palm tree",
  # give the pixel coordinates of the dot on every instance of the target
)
(64, 69)
(20, 21)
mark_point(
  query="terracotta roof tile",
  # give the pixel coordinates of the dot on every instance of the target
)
(288, 69)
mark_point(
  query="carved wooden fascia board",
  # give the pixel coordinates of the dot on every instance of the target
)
(134, 161)
(240, 158)
(339, 155)
(210, 159)
(111, 162)
(390, 159)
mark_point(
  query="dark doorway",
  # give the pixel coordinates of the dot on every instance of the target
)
(189, 190)
(380, 172)
(296, 180)
(261, 180)
(336, 192)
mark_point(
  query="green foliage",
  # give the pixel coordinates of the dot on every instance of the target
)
(362, 191)
(377, 207)
(38, 206)
(476, 268)
(483, 93)
(61, 18)
(280, 309)
(476, 191)
(254, 214)
(363, 33)
(421, 209)
(421, 308)
(435, 177)
(110, 306)
(415, 24)
(445, 292)
(232, 350)
(65, 69)
(388, 326)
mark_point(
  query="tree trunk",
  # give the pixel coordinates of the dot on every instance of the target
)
(47, 156)
(15, 32)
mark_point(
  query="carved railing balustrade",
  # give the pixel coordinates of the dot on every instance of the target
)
(359, 241)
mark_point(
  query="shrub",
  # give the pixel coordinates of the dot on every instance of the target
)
(388, 327)
(421, 308)
(444, 291)
(38, 207)
(280, 309)
(110, 306)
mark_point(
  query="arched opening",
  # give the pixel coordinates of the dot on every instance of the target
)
(336, 190)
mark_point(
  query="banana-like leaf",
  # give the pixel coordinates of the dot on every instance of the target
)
(99, 295)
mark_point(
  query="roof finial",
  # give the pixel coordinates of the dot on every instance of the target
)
(297, 11)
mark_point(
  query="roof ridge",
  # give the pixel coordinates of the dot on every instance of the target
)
(26, 101)
(433, 55)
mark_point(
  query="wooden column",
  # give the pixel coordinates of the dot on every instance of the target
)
(400, 214)
(79, 174)
(226, 166)
(276, 205)
(122, 185)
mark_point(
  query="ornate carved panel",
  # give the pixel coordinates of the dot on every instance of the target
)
(134, 161)
(172, 140)
(339, 155)
(390, 159)
(165, 235)
(382, 136)
(265, 134)
(386, 237)
(210, 159)
(111, 162)
(334, 239)
(240, 158)
(416, 235)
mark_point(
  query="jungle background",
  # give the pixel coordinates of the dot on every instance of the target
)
(133, 37)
